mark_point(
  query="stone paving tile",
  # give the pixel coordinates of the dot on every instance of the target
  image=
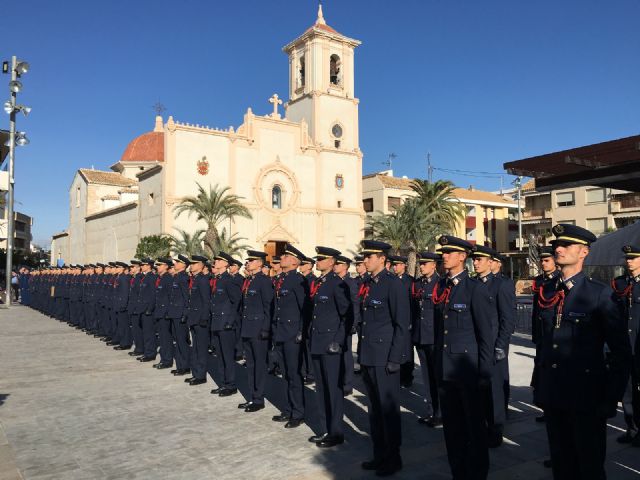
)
(73, 409)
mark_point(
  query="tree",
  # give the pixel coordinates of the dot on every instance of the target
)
(188, 244)
(416, 224)
(212, 207)
(154, 246)
(231, 245)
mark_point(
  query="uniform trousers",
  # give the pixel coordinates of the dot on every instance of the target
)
(136, 331)
(292, 361)
(465, 430)
(383, 390)
(495, 394)
(426, 354)
(166, 340)
(182, 351)
(149, 335)
(631, 398)
(347, 381)
(256, 353)
(307, 361)
(124, 327)
(328, 371)
(90, 316)
(224, 364)
(201, 337)
(578, 444)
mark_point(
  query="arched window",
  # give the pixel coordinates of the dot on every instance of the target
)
(334, 70)
(301, 72)
(276, 197)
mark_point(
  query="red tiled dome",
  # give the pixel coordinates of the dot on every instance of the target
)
(148, 147)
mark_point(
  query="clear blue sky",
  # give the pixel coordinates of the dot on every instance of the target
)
(475, 83)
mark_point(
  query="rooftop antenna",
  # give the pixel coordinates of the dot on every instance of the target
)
(389, 161)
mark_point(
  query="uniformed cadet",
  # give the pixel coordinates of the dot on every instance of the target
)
(577, 386)
(291, 302)
(423, 333)
(332, 312)
(464, 360)
(120, 303)
(275, 265)
(198, 320)
(386, 321)
(116, 304)
(75, 296)
(306, 270)
(399, 268)
(627, 293)
(257, 308)
(98, 297)
(110, 321)
(502, 298)
(23, 283)
(89, 299)
(266, 269)
(341, 268)
(549, 273)
(164, 284)
(226, 295)
(234, 271)
(134, 318)
(145, 305)
(361, 277)
(177, 312)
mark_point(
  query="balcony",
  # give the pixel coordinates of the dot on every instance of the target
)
(536, 213)
(625, 203)
(470, 222)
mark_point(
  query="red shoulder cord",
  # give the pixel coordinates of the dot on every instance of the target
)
(626, 292)
(315, 286)
(278, 285)
(157, 282)
(131, 281)
(557, 299)
(417, 294)
(442, 297)
(363, 292)
(245, 285)
(213, 283)
(190, 282)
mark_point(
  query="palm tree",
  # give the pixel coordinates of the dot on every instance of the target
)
(212, 206)
(187, 243)
(231, 245)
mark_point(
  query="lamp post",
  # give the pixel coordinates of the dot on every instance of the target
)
(15, 138)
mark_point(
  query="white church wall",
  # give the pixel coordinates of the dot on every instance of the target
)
(112, 235)
(150, 204)
(77, 212)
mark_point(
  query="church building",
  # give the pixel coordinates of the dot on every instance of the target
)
(298, 172)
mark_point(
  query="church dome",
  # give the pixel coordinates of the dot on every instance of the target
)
(148, 147)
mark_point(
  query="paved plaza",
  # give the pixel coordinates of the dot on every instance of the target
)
(71, 408)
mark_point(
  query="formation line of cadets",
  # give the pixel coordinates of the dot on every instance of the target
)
(202, 317)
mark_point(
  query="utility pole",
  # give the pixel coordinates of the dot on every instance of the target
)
(429, 168)
(518, 183)
(12, 108)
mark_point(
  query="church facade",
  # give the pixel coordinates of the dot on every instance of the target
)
(299, 173)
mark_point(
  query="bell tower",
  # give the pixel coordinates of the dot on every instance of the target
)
(321, 86)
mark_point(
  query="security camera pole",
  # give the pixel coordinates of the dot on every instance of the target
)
(12, 147)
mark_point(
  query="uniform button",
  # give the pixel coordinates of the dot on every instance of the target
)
(555, 345)
(314, 316)
(554, 365)
(586, 370)
(363, 337)
(630, 330)
(446, 316)
(446, 331)
(577, 321)
(445, 345)
(364, 323)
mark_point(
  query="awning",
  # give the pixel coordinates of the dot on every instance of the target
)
(614, 164)
(627, 215)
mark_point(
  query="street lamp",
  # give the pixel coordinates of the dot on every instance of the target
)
(11, 107)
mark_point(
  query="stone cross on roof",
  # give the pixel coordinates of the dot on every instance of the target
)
(275, 100)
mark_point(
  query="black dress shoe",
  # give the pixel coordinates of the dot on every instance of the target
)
(147, 359)
(181, 371)
(254, 407)
(120, 347)
(627, 437)
(330, 441)
(432, 421)
(318, 438)
(540, 418)
(134, 354)
(389, 468)
(216, 391)
(309, 381)
(187, 380)
(162, 366)
(294, 423)
(244, 405)
(227, 392)
(370, 465)
(111, 343)
(197, 381)
(280, 418)
(347, 392)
